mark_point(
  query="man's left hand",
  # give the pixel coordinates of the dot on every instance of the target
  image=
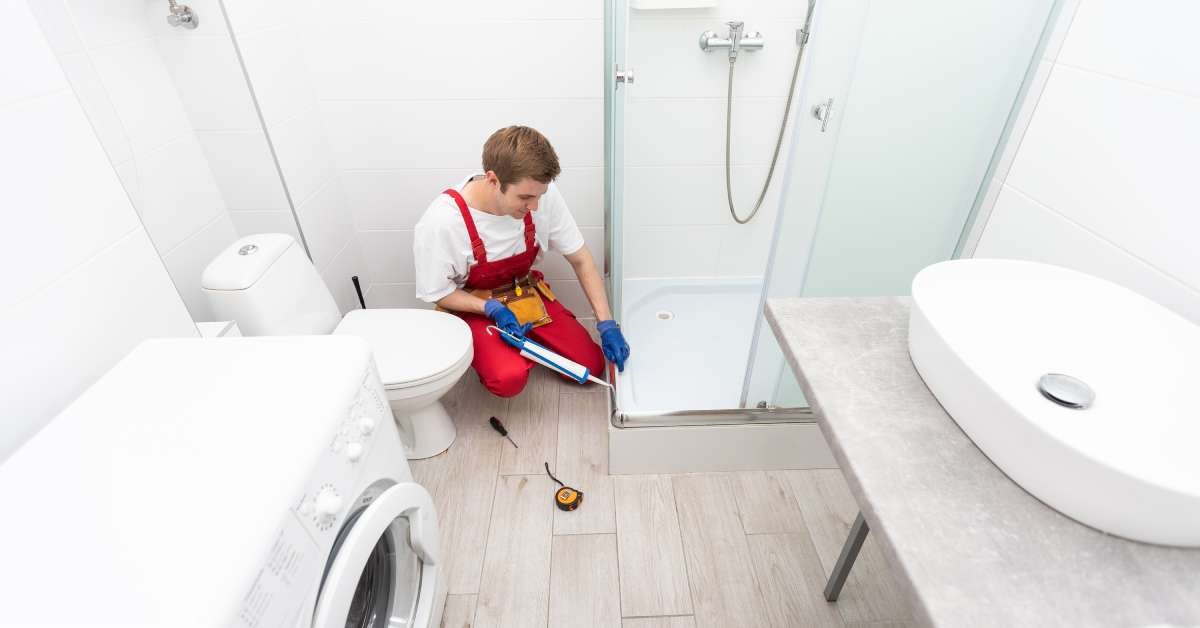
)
(612, 341)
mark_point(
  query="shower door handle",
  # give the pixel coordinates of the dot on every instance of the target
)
(823, 112)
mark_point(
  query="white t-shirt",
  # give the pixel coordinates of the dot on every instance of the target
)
(442, 247)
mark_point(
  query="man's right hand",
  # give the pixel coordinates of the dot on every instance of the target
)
(507, 321)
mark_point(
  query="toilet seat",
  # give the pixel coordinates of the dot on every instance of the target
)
(411, 347)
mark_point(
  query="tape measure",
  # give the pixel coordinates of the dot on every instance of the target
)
(566, 498)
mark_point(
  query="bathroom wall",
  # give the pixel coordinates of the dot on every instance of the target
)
(277, 46)
(83, 283)
(1103, 176)
(676, 215)
(125, 63)
(408, 92)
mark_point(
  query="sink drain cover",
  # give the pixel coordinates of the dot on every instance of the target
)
(664, 315)
(1066, 391)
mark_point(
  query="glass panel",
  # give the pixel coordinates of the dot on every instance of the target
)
(917, 132)
(690, 276)
(614, 151)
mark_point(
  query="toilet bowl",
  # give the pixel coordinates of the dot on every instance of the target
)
(268, 286)
(420, 355)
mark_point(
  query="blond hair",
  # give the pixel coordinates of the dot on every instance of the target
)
(516, 152)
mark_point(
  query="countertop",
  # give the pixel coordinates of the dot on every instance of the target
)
(970, 546)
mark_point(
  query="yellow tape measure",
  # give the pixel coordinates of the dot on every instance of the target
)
(566, 498)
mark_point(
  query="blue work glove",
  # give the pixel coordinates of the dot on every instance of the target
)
(613, 343)
(506, 320)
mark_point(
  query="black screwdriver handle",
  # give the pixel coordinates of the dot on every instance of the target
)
(499, 427)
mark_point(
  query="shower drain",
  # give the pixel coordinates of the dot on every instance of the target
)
(664, 315)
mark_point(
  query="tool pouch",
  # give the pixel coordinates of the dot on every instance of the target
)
(524, 298)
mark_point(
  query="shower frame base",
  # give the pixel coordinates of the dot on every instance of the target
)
(702, 448)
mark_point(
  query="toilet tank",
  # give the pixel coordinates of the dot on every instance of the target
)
(267, 284)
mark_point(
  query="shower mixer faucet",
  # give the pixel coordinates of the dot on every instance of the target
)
(737, 40)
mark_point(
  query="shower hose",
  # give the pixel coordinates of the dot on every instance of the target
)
(778, 141)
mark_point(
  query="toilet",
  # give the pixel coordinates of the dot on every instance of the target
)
(267, 284)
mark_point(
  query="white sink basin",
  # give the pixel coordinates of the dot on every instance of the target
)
(984, 332)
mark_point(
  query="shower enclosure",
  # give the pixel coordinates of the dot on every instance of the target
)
(899, 111)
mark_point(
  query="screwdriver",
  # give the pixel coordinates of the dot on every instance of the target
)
(499, 427)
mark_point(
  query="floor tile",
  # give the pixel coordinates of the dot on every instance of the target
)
(649, 547)
(583, 585)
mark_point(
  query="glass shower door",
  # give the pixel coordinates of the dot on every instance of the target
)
(615, 24)
(934, 87)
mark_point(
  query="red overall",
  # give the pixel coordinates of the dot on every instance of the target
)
(501, 368)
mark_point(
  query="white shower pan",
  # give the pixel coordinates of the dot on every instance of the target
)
(983, 333)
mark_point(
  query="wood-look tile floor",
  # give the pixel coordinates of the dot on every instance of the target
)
(643, 551)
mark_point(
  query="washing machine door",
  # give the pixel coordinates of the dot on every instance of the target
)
(383, 571)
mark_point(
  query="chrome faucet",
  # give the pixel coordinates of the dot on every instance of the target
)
(737, 40)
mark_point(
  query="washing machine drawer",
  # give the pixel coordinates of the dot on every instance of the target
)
(383, 570)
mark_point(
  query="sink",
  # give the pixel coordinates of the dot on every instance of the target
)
(1083, 392)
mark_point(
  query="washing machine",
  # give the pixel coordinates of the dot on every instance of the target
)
(250, 482)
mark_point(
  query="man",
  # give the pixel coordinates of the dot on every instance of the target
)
(483, 236)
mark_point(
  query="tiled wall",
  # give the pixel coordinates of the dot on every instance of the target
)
(278, 50)
(125, 64)
(1103, 179)
(83, 283)
(408, 92)
(676, 216)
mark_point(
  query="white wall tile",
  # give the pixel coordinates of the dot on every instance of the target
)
(389, 255)
(326, 222)
(671, 252)
(63, 202)
(186, 263)
(556, 267)
(1152, 42)
(1129, 178)
(384, 11)
(112, 22)
(654, 198)
(56, 23)
(449, 134)
(1020, 228)
(583, 190)
(304, 155)
(178, 194)
(252, 222)
(275, 60)
(88, 88)
(29, 68)
(244, 169)
(368, 60)
(251, 16)
(401, 295)
(337, 276)
(396, 199)
(142, 93)
(673, 132)
(210, 83)
(66, 336)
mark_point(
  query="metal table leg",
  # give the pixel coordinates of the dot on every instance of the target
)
(858, 534)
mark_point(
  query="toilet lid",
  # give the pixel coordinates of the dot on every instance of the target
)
(410, 346)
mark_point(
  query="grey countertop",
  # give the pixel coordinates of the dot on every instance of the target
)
(971, 547)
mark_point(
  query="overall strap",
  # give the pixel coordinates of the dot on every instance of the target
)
(476, 242)
(530, 234)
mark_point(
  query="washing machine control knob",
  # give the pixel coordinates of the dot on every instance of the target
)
(354, 451)
(329, 503)
(366, 425)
